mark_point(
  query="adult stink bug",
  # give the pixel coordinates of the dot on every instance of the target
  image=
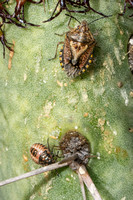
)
(41, 154)
(130, 53)
(76, 53)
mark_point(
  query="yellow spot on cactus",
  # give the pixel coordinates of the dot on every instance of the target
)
(25, 158)
(87, 66)
(83, 70)
(86, 114)
(1, 33)
(90, 61)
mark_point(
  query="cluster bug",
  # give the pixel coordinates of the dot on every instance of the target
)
(130, 53)
(19, 11)
(76, 54)
(125, 5)
(73, 143)
(41, 154)
(4, 42)
(64, 6)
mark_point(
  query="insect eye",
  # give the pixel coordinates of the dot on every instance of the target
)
(76, 46)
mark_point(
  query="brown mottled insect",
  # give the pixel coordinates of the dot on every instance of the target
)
(130, 53)
(41, 155)
(4, 42)
(125, 5)
(63, 4)
(76, 55)
(19, 11)
(73, 143)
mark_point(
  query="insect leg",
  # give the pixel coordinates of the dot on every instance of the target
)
(24, 21)
(56, 50)
(52, 17)
(124, 9)
(48, 144)
(35, 2)
(97, 12)
(4, 43)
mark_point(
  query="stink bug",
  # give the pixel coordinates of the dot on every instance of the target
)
(76, 53)
(130, 53)
(41, 155)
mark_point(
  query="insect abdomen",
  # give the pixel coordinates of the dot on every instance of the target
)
(40, 154)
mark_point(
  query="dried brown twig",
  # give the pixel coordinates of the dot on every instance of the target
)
(34, 172)
(81, 169)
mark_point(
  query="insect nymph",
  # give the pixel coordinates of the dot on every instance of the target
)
(76, 53)
(41, 155)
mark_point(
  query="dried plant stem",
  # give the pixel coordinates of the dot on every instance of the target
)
(80, 169)
(35, 172)
(81, 185)
(69, 159)
(88, 182)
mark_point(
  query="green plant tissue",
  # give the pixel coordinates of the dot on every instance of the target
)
(38, 101)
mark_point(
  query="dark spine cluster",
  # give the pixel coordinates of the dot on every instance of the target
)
(75, 143)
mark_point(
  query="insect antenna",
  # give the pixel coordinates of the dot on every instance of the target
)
(48, 143)
(71, 17)
(100, 18)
